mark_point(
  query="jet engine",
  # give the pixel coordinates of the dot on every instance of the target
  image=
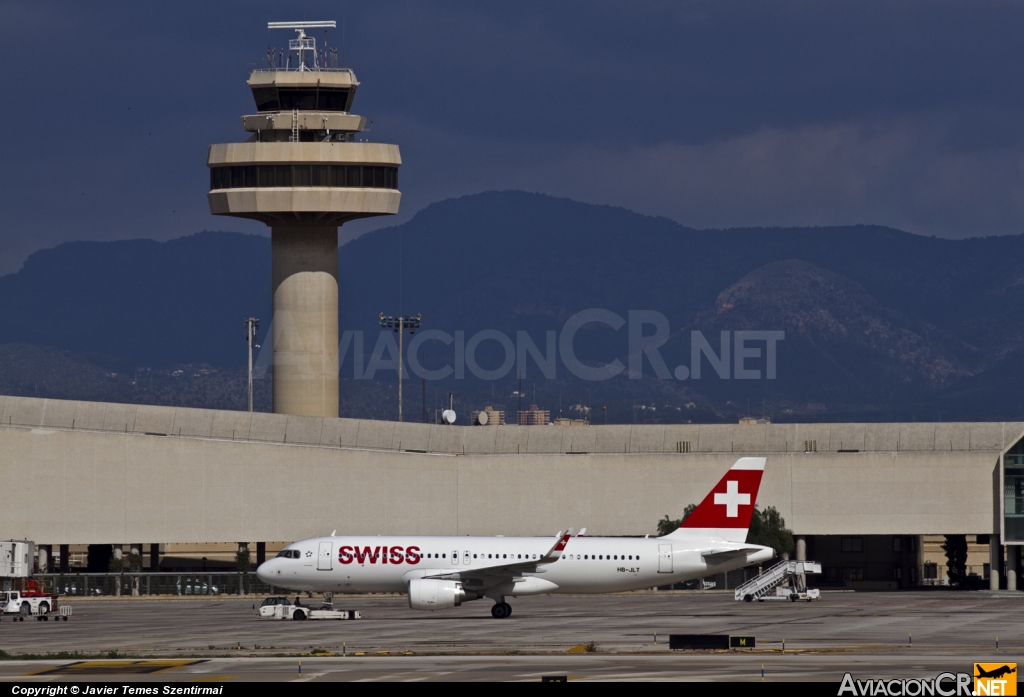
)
(437, 594)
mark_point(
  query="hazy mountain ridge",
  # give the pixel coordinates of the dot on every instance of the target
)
(877, 321)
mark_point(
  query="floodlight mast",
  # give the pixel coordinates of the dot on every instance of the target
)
(400, 324)
(303, 43)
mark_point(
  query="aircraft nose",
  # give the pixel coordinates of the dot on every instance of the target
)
(263, 571)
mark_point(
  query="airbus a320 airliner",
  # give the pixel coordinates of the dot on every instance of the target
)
(443, 572)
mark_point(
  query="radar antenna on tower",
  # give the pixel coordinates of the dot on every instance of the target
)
(303, 43)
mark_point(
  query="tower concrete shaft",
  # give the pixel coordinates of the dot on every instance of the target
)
(304, 262)
(303, 173)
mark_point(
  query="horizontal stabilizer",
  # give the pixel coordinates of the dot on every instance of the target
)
(725, 553)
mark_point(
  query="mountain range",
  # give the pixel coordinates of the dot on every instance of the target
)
(878, 323)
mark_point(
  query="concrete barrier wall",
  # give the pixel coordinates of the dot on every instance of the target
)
(68, 486)
(433, 438)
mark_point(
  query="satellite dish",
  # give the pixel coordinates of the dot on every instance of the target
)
(449, 416)
(481, 418)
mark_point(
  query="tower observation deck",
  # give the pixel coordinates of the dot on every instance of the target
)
(303, 172)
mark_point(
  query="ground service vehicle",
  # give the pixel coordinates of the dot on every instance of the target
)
(281, 608)
(22, 604)
(443, 572)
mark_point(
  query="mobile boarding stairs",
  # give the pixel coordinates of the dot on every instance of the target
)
(784, 581)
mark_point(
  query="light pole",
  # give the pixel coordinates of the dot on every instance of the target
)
(400, 324)
(251, 325)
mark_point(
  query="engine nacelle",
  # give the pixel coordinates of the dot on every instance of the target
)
(436, 594)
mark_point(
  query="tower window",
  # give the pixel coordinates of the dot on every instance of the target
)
(273, 98)
(340, 176)
(282, 175)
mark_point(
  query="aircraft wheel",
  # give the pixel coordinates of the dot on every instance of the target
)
(508, 610)
(500, 611)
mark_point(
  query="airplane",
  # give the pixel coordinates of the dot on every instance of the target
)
(995, 673)
(443, 572)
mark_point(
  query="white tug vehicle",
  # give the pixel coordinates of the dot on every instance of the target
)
(279, 607)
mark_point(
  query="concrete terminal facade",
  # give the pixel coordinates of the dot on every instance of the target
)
(120, 474)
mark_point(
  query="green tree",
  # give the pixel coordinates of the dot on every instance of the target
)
(242, 559)
(955, 548)
(666, 525)
(768, 528)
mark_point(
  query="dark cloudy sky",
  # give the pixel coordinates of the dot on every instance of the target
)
(715, 114)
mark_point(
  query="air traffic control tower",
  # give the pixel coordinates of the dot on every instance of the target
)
(304, 171)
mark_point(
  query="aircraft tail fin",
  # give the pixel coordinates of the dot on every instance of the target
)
(727, 509)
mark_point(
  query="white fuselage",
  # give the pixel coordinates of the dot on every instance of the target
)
(587, 565)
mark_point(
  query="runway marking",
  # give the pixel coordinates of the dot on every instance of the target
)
(114, 667)
(217, 678)
(430, 674)
(380, 677)
(306, 677)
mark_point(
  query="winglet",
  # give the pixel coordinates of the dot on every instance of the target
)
(555, 552)
(581, 532)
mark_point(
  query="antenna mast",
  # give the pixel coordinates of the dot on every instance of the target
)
(303, 43)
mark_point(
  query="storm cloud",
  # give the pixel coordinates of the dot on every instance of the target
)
(713, 114)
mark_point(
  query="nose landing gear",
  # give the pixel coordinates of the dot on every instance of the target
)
(501, 610)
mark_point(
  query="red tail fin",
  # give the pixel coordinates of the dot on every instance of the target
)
(730, 504)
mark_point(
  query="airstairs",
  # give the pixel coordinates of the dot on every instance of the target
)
(785, 578)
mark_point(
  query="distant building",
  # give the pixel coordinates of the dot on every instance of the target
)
(488, 416)
(755, 420)
(534, 416)
(563, 421)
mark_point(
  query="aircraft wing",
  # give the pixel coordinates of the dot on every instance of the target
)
(482, 578)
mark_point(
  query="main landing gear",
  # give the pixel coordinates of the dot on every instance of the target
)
(501, 610)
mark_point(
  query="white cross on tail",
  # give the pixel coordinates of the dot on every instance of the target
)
(732, 499)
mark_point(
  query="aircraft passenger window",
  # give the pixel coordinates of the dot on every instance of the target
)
(585, 556)
(504, 556)
(488, 556)
(600, 556)
(616, 556)
(520, 556)
(443, 557)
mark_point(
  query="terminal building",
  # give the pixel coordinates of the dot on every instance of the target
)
(865, 500)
